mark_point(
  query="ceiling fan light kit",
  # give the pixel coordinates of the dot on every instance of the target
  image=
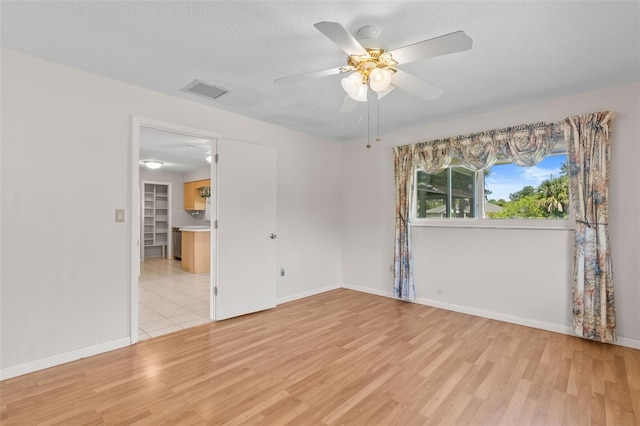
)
(377, 68)
(374, 68)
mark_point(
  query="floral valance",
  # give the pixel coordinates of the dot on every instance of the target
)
(524, 145)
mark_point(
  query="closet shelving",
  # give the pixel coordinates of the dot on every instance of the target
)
(156, 217)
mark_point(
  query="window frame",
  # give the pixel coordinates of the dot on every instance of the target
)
(480, 221)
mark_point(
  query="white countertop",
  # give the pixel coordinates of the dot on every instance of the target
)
(195, 228)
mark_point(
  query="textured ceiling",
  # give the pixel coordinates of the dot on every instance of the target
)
(179, 153)
(523, 51)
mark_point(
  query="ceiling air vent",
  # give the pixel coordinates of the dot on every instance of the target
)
(201, 88)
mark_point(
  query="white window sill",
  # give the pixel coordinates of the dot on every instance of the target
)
(542, 224)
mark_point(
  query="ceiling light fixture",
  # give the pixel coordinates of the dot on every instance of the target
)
(374, 69)
(152, 164)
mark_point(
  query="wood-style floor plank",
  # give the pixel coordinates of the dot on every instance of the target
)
(341, 357)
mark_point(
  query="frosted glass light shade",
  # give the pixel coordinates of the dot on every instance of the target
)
(361, 96)
(352, 84)
(379, 79)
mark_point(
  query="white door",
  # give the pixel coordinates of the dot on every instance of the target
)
(245, 252)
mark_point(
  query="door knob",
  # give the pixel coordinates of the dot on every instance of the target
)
(273, 236)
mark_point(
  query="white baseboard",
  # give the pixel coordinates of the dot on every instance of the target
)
(557, 328)
(41, 364)
(628, 342)
(368, 290)
(307, 294)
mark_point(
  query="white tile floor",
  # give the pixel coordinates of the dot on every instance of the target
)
(170, 299)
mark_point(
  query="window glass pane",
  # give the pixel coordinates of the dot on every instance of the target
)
(450, 193)
(463, 190)
(432, 196)
(540, 191)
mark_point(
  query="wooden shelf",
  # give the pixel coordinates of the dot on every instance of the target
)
(156, 218)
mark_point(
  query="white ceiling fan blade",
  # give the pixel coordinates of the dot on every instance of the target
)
(438, 46)
(415, 86)
(386, 91)
(340, 36)
(348, 104)
(299, 77)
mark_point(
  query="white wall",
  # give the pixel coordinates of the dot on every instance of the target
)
(198, 174)
(521, 276)
(65, 286)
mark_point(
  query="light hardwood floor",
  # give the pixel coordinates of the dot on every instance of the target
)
(340, 357)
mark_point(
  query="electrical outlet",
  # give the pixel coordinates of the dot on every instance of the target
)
(282, 272)
(119, 215)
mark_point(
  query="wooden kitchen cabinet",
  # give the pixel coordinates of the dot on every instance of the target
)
(196, 251)
(192, 198)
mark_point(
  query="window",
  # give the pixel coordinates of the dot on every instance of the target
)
(450, 193)
(504, 191)
(536, 192)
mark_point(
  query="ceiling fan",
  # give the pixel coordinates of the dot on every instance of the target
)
(377, 69)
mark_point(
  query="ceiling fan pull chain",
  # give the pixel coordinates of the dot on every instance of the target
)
(378, 118)
(368, 125)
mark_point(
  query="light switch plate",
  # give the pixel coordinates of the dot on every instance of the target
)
(119, 215)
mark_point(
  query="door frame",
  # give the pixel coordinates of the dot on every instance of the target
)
(134, 207)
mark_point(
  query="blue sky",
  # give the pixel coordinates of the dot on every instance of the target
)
(508, 178)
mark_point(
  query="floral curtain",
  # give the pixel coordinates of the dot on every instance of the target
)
(403, 286)
(588, 142)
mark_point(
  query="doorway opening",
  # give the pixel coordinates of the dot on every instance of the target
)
(166, 294)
